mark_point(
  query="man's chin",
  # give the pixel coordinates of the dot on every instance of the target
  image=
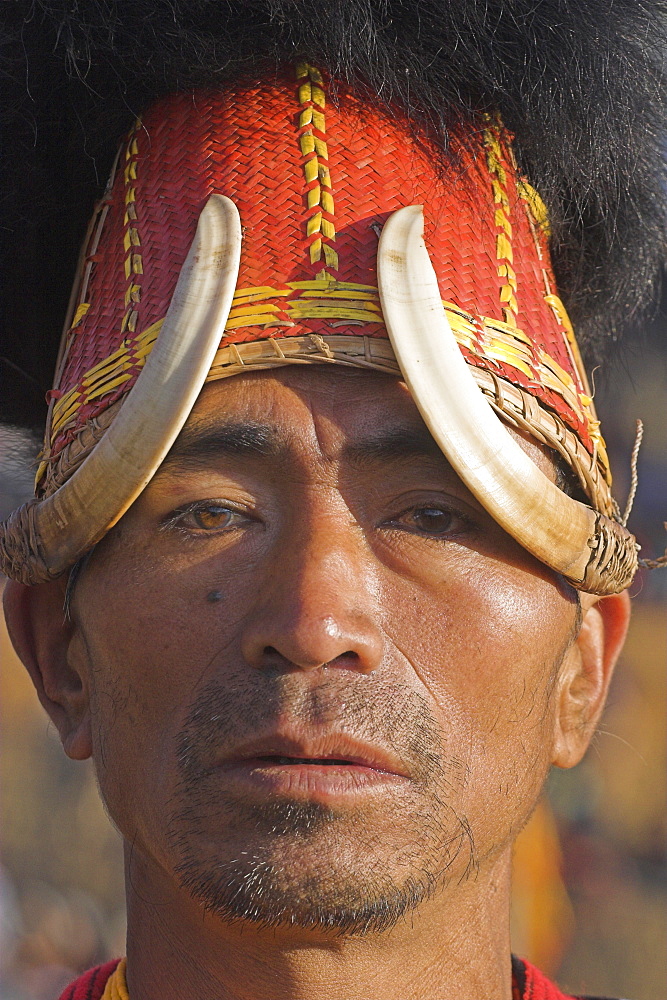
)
(307, 891)
(310, 867)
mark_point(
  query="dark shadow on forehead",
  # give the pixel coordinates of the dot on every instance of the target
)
(198, 444)
(394, 444)
(202, 443)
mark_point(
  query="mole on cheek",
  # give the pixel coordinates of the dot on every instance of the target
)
(214, 596)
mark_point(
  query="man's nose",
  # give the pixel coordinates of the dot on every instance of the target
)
(319, 605)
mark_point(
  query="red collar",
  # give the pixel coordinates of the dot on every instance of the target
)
(528, 983)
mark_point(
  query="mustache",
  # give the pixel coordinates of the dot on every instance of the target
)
(391, 715)
(237, 857)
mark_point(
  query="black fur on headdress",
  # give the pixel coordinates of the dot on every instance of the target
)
(579, 83)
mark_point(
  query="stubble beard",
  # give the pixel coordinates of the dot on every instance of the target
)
(351, 871)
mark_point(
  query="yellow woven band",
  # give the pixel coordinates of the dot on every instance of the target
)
(341, 304)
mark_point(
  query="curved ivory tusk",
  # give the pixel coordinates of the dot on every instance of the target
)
(555, 528)
(76, 516)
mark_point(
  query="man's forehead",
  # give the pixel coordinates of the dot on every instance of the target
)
(361, 416)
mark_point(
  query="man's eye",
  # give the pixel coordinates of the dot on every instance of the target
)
(207, 517)
(434, 521)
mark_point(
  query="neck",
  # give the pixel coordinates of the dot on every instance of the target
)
(455, 945)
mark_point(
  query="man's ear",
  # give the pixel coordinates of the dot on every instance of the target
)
(585, 674)
(42, 636)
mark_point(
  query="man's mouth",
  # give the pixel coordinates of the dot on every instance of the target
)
(265, 767)
(324, 761)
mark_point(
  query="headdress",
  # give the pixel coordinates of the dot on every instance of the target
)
(363, 194)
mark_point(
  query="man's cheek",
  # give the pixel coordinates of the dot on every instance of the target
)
(487, 663)
(134, 761)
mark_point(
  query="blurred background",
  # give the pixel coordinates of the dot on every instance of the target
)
(590, 894)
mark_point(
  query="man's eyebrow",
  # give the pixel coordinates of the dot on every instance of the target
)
(400, 443)
(197, 446)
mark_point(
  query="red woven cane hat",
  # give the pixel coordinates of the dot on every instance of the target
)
(300, 207)
(314, 183)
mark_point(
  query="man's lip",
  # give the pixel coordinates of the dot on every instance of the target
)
(267, 751)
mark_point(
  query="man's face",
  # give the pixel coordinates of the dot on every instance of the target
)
(319, 673)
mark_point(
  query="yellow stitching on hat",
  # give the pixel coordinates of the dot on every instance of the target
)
(509, 354)
(564, 320)
(102, 390)
(102, 376)
(79, 306)
(494, 156)
(325, 298)
(73, 401)
(131, 238)
(536, 207)
(314, 148)
(81, 311)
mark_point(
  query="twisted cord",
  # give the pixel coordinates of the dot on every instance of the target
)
(660, 562)
(633, 473)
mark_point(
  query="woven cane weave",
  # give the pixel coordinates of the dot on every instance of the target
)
(314, 182)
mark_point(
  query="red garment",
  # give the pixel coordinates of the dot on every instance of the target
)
(528, 983)
(90, 986)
